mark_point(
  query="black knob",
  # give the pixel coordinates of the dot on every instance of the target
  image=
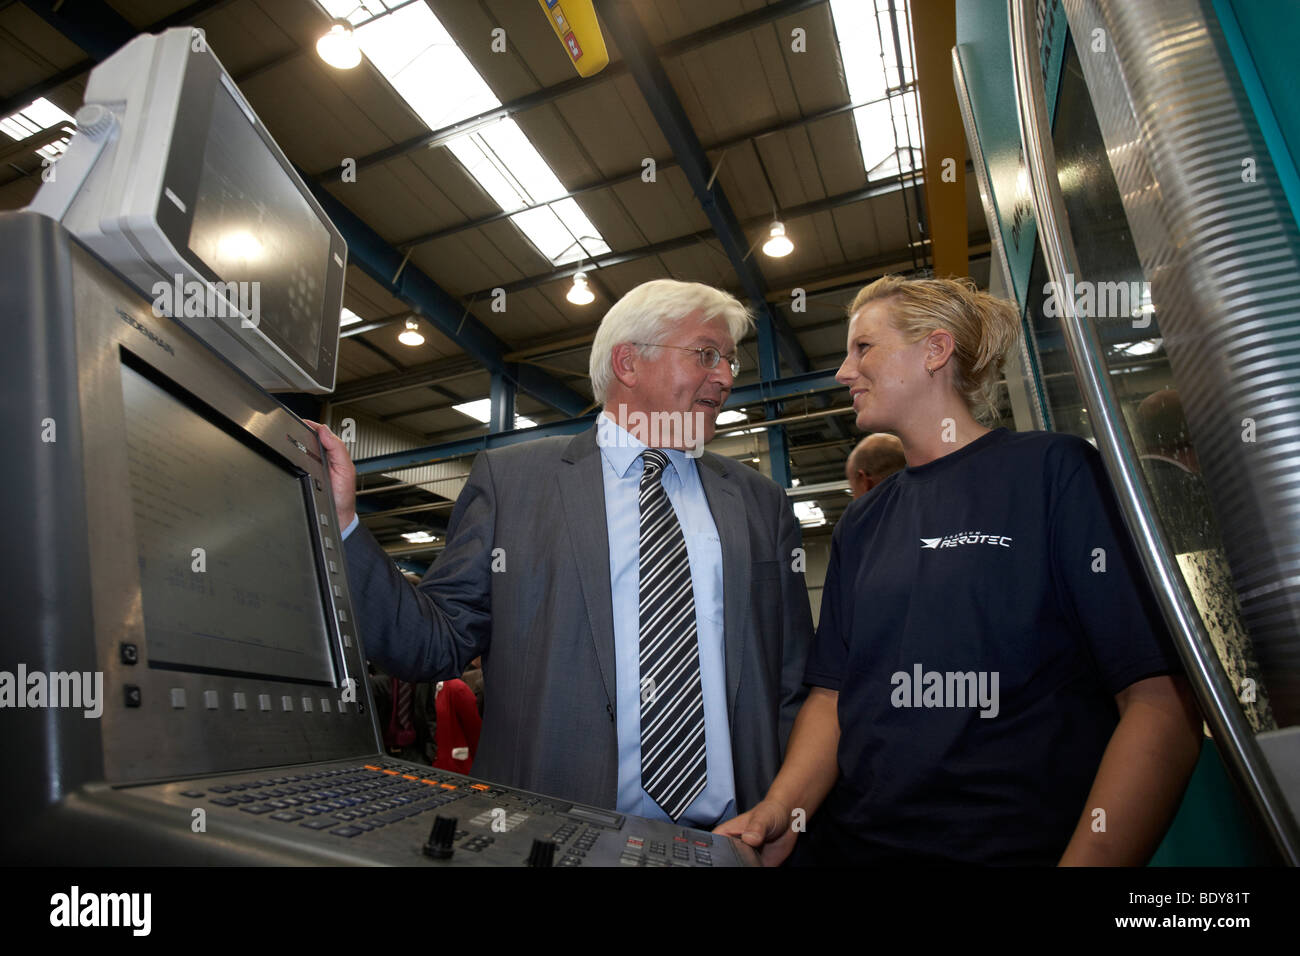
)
(440, 837)
(543, 853)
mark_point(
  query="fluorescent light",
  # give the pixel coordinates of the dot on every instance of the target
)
(779, 244)
(419, 537)
(730, 417)
(348, 317)
(481, 411)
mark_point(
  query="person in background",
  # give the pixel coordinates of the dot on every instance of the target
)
(874, 459)
(991, 680)
(458, 726)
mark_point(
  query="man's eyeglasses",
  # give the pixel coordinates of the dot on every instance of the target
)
(709, 356)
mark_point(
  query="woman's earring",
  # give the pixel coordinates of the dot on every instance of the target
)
(931, 371)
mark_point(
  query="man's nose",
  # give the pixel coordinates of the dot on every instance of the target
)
(722, 374)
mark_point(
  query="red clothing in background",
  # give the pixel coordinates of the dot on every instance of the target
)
(458, 726)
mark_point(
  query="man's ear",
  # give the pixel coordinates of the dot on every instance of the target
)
(625, 359)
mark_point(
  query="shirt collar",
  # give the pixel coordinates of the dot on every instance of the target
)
(621, 449)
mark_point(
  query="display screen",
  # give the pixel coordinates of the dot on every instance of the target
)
(228, 575)
(251, 224)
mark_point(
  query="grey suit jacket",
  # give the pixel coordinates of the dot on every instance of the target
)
(524, 580)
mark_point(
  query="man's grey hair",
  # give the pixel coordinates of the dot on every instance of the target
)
(649, 314)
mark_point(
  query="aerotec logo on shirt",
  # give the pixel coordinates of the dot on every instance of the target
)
(965, 537)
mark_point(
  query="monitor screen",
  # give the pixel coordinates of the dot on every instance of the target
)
(228, 573)
(252, 224)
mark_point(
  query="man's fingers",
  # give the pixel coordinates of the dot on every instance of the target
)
(327, 437)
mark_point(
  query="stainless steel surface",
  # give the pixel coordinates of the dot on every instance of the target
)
(365, 812)
(1025, 389)
(1085, 348)
(155, 739)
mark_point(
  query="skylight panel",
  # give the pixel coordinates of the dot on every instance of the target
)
(483, 166)
(348, 317)
(426, 67)
(38, 115)
(871, 70)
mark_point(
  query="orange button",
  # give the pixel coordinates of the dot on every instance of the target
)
(391, 773)
(479, 786)
(433, 783)
(371, 767)
(409, 776)
(447, 786)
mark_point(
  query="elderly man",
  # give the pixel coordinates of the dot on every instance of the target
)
(874, 459)
(639, 603)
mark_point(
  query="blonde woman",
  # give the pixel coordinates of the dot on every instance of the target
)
(991, 681)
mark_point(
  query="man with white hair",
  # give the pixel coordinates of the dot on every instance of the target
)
(639, 603)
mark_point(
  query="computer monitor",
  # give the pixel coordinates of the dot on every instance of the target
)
(174, 182)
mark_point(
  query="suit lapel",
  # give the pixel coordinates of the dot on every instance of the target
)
(582, 490)
(729, 517)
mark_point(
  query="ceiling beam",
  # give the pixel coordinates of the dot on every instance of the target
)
(718, 31)
(634, 175)
(627, 31)
(370, 253)
(881, 188)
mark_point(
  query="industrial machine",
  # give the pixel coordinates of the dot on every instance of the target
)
(182, 679)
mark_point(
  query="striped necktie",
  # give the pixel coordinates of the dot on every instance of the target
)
(672, 703)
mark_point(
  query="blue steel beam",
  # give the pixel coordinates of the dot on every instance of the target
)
(791, 386)
(381, 262)
(502, 403)
(643, 63)
(759, 392)
(468, 446)
(95, 27)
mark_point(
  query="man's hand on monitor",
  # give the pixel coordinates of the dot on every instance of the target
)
(343, 474)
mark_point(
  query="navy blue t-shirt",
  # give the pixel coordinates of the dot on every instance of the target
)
(980, 614)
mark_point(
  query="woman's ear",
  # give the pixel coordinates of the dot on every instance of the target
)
(939, 349)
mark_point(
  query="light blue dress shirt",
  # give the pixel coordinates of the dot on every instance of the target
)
(621, 469)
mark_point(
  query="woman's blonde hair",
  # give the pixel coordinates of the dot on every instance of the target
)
(984, 328)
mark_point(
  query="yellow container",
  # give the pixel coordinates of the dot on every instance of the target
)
(574, 23)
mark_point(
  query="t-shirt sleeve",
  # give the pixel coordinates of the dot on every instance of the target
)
(828, 658)
(1102, 583)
